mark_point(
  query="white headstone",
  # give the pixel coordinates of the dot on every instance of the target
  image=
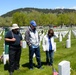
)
(74, 32)
(60, 37)
(23, 44)
(69, 36)
(64, 68)
(56, 34)
(23, 36)
(68, 43)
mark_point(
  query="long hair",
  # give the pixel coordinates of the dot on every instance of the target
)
(50, 31)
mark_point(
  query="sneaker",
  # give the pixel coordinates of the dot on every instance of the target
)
(51, 65)
(47, 64)
(40, 68)
(31, 68)
(11, 73)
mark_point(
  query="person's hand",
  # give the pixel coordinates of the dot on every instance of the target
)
(13, 39)
(21, 43)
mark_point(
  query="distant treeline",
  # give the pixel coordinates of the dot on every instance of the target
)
(54, 17)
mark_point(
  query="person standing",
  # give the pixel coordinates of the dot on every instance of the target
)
(13, 38)
(49, 46)
(32, 39)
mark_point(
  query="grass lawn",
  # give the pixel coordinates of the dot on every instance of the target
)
(61, 54)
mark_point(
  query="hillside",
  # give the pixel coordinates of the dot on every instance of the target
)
(27, 10)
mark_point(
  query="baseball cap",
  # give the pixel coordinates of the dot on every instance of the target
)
(33, 23)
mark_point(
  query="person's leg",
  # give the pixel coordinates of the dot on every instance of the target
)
(11, 60)
(51, 54)
(17, 58)
(31, 52)
(47, 57)
(37, 52)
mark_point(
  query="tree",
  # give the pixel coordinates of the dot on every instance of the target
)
(19, 18)
(2, 21)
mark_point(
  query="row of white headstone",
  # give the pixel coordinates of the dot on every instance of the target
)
(74, 32)
(64, 66)
(58, 35)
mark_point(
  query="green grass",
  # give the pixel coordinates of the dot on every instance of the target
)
(61, 54)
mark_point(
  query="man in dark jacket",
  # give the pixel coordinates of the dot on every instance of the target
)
(13, 38)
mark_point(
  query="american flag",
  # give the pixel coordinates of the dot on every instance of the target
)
(55, 72)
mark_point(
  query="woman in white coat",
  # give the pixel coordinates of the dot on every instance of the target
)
(49, 46)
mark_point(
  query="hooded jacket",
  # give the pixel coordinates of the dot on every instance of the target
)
(32, 38)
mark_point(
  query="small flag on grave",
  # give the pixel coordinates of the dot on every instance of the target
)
(55, 72)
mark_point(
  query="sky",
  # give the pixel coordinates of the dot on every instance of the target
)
(9, 5)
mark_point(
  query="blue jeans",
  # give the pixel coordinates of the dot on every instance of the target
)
(49, 57)
(37, 53)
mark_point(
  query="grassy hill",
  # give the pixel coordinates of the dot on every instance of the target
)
(28, 10)
(61, 54)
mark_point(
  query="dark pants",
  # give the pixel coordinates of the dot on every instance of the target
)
(14, 58)
(37, 53)
(49, 57)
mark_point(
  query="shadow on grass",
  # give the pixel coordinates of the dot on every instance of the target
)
(27, 65)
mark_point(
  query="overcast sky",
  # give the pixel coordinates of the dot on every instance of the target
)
(9, 5)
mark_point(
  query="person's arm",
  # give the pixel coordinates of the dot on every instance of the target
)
(39, 38)
(27, 38)
(21, 43)
(10, 40)
(8, 37)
